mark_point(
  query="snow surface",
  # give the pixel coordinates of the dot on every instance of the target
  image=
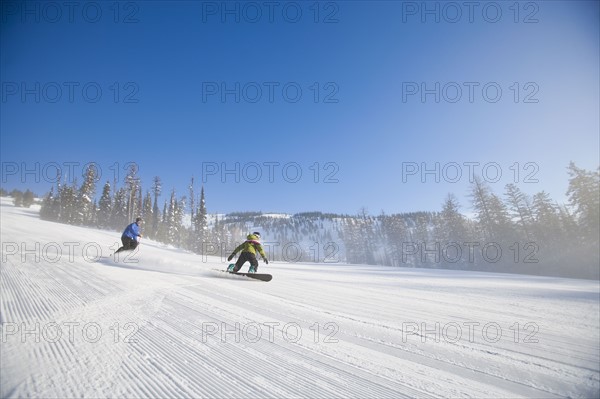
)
(163, 323)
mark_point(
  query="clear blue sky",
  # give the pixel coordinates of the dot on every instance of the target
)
(360, 126)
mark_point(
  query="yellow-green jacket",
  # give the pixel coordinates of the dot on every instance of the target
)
(251, 245)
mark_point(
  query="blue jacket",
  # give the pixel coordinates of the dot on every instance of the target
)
(132, 231)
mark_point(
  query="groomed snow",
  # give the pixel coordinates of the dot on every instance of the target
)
(163, 323)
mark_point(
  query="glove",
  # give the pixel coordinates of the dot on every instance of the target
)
(231, 256)
(266, 261)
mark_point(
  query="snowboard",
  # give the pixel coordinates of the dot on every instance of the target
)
(256, 276)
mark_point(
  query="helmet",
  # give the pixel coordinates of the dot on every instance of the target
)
(253, 236)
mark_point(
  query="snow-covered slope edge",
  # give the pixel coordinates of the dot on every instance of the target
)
(164, 324)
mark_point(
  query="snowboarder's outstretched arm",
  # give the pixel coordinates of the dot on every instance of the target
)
(235, 251)
(261, 251)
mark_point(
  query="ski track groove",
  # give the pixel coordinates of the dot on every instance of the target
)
(169, 305)
(223, 315)
(299, 369)
(524, 358)
(433, 362)
(22, 300)
(582, 354)
(234, 358)
(26, 300)
(200, 372)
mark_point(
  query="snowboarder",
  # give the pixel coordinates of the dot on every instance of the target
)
(248, 254)
(129, 238)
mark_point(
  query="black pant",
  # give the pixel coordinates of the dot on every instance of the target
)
(246, 257)
(128, 244)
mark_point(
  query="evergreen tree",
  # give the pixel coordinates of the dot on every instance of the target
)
(480, 199)
(500, 217)
(68, 204)
(369, 244)
(132, 184)
(105, 207)
(47, 208)
(200, 224)
(351, 235)
(156, 215)
(147, 214)
(139, 208)
(85, 197)
(28, 199)
(428, 254)
(396, 235)
(192, 207)
(451, 234)
(172, 220)
(550, 242)
(520, 208)
(181, 235)
(546, 216)
(567, 222)
(162, 226)
(584, 198)
(17, 198)
(120, 217)
(94, 214)
(453, 223)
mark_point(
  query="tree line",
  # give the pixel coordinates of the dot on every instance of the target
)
(76, 205)
(508, 232)
(20, 199)
(512, 232)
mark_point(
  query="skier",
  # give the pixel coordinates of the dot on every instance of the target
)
(249, 249)
(129, 238)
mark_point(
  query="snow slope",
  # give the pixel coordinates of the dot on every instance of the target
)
(78, 325)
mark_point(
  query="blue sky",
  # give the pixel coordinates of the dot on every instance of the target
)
(340, 98)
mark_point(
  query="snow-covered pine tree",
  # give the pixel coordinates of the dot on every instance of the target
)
(353, 241)
(47, 205)
(519, 207)
(181, 238)
(156, 215)
(147, 213)
(94, 214)
(451, 233)
(219, 235)
(105, 207)
(139, 207)
(491, 213)
(85, 197)
(395, 233)
(499, 211)
(546, 217)
(28, 198)
(132, 184)
(201, 224)
(120, 217)
(162, 226)
(584, 199)
(17, 198)
(193, 242)
(427, 255)
(367, 228)
(68, 204)
(172, 227)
